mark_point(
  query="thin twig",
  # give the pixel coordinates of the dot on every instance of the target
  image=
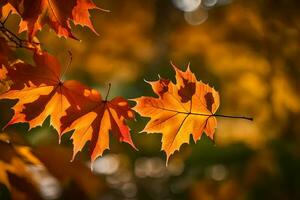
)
(69, 64)
(7, 17)
(9, 35)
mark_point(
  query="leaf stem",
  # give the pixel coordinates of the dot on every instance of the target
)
(108, 90)
(69, 64)
(237, 117)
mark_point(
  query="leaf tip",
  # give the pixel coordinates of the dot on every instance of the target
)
(92, 166)
(149, 82)
(134, 147)
(73, 156)
(167, 160)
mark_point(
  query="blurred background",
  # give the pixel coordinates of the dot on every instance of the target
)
(248, 50)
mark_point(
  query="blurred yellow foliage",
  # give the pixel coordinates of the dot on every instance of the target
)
(240, 50)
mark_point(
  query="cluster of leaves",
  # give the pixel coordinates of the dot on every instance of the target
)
(57, 14)
(70, 104)
(189, 104)
(181, 109)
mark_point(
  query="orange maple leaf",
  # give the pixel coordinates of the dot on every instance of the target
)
(93, 121)
(180, 110)
(56, 13)
(40, 91)
(15, 161)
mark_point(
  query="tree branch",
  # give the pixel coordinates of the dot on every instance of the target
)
(12, 37)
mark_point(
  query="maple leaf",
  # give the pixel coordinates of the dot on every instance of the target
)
(57, 161)
(55, 13)
(94, 120)
(40, 91)
(180, 110)
(22, 168)
(15, 161)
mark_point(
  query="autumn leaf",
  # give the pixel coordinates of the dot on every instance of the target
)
(180, 110)
(55, 13)
(40, 91)
(15, 161)
(57, 161)
(94, 120)
(23, 168)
